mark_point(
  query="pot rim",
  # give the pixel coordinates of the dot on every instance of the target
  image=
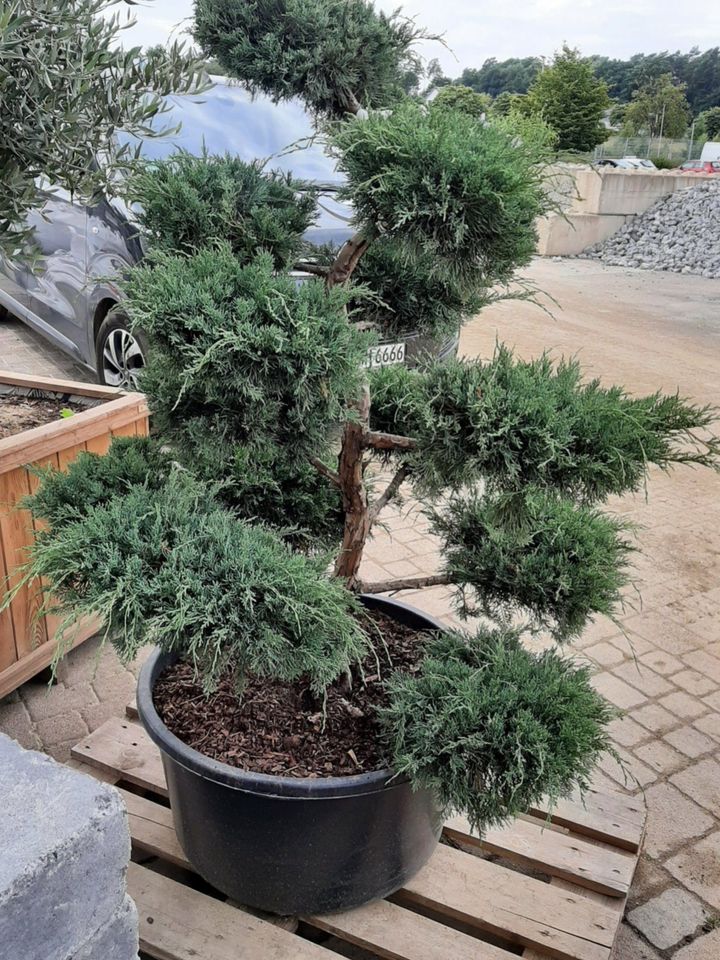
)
(300, 788)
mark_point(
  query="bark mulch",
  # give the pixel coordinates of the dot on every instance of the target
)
(278, 727)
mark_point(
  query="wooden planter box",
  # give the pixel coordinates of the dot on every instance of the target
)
(27, 642)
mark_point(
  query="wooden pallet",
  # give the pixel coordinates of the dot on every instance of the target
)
(532, 889)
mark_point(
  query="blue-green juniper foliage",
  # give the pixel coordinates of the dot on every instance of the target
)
(214, 538)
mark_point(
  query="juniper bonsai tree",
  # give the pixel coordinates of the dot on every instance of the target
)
(213, 539)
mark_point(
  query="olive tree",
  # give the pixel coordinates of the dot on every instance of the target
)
(66, 87)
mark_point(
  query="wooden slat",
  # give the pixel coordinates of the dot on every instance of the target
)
(52, 622)
(99, 444)
(8, 653)
(152, 829)
(607, 871)
(178, 923)
(31, 445)
(16, 531)
(508, 904)
(384, 928)
(612, 904)
(22, 670)
(613, 818)
(66, 456)
(125, 430)
(131, 710)
(59, 386)
(122, 746)
(389, 931)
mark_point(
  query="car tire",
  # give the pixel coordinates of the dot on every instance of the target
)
(120, 353)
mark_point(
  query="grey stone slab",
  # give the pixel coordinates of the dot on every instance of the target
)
(65, 846)
(117, 939)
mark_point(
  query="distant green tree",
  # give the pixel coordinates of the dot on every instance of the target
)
(500, 76)
(464, 99)
(435, 76)
(570, 98)
(709, 123)
(505, 103)
(659, 108)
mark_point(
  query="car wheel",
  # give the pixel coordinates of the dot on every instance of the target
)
(120, 353)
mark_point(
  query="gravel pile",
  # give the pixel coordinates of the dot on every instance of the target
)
(680, 232)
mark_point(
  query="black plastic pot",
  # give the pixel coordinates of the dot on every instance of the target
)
(294, 846)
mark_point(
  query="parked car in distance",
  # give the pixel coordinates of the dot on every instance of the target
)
(626, 163)
(700, 166)
(66, 292)
(710, 150)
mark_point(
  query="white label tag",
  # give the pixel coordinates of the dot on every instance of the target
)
(385, 354)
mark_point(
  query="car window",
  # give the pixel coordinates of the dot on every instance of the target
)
(226, 119)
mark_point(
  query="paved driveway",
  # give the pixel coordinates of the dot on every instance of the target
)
(647, 331)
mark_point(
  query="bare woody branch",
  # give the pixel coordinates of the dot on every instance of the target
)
(388, 441)
(323, 469)
(317, 269)
(405, 583)
(388, 493)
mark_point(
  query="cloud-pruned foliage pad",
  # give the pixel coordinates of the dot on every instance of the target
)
(536, 552)
(330, 53)
(168, 566)
(448, 185)
(494, 729)
(190, 202)
(271, 359)
(513, 422)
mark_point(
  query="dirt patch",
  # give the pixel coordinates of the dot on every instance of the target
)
(23, 413)
(278, 728)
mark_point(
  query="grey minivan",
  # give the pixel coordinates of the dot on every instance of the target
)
(68, 295)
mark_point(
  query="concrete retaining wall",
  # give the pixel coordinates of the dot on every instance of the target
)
(598, 201)
(65, 848)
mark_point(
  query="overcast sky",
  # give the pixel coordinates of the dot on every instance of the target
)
(476, 30)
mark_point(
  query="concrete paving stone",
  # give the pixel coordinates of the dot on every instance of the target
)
(713, 700)
(64, 727)
(691, 742)
(683, 705)
(650, 879)
(632, 644)
(45, 702)
(662, 631)
(660, 757)
(60, 751)
(629, 946)
(701, 781)
(627, 732)
(655, 718)
(704, 663)
(618, 692)
(661, 662)
(668, 918)
(643, 678)
(116, 685)
(403, 568)
(601, 628)
(705, 947)
(672, 820)
(604, 654)
(698, 868)
(695, 683)
(627, 770)
(709, 724)
(709, 629)
(16, 722)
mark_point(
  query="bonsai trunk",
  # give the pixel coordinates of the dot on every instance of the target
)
(354, 494)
